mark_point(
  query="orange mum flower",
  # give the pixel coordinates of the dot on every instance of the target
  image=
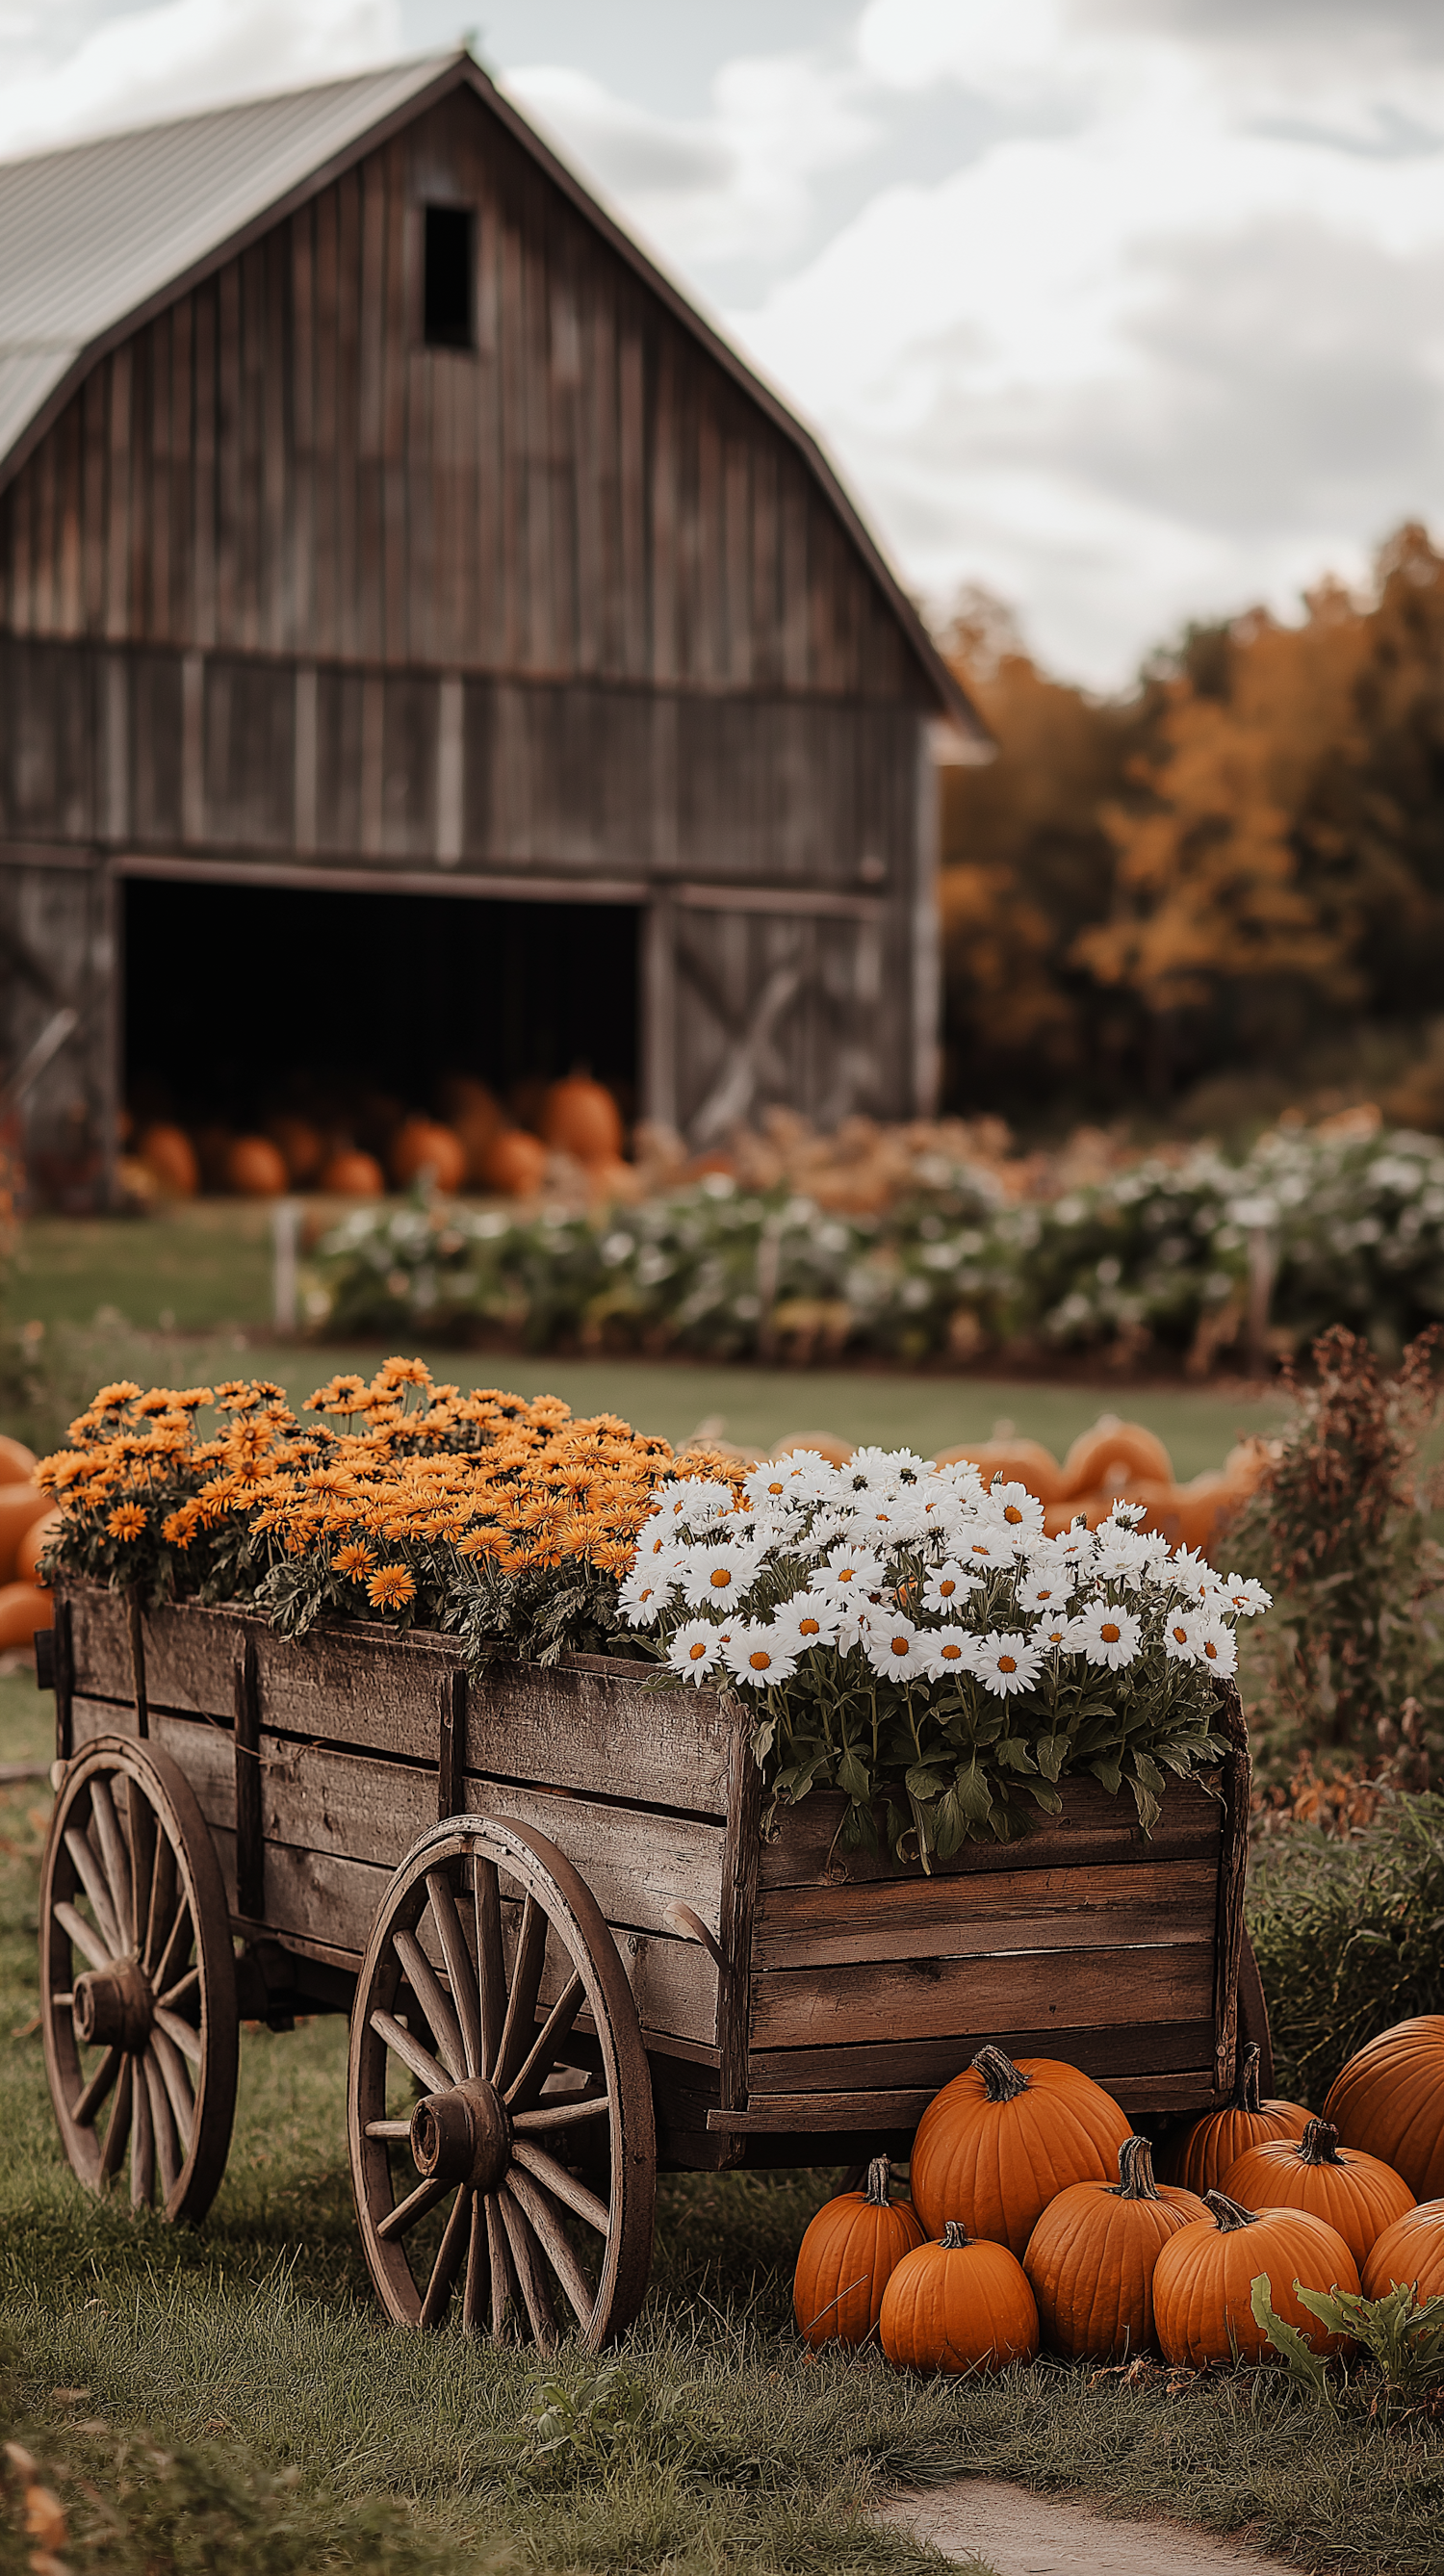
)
(390, 1588)
(126, 1521)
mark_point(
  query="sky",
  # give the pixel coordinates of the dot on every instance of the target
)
(1130, 311)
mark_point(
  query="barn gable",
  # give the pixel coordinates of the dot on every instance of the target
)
(292, 594)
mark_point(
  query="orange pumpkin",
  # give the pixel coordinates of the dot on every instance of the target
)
(1203, 2279)
(1112, 1455)
(421, 1147)
(353, 1175)
(36, 1539)
(1202, 2154)
(1411, 2250)
(580, 1117)
(515, 1164)
(999, 2142)
(21, 1505)
(1012, 1462)
(17, 1463)
(300, 1146)
(1389, 2100)
(847, 2258)
(962, 2304)
(255, 1170)
(1090, 2259)
(170, 1158)
(23, 1609)
(1356, 2193)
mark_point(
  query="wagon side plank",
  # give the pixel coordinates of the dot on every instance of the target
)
(907, 1999)
(1137, 2048)
(1093, 1907)
(805, 1851)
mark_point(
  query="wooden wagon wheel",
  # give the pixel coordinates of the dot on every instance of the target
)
(492, 1984)
(138, 1980)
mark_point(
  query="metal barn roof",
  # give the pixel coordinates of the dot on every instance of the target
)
(95, 238)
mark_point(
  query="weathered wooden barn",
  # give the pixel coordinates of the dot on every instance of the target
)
(427, 647)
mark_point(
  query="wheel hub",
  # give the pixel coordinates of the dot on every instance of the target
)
(462, 2135)
(113, 2007)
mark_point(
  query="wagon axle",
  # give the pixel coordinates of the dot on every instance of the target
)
(463, 2135)
(114, 2006)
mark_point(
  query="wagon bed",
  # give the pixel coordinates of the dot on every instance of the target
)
(794, 2003)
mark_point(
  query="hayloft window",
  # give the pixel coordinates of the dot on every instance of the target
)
(446, 301)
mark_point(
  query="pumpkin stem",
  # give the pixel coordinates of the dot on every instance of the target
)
(876, 2194)
(1002, 2079)
(1228, 2213)
(1245, 2089)
(1319, 2144)
(955, 2234)
(1135, 2170)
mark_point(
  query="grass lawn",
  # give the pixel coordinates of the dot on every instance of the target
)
(194, 1289)
(229, 2400)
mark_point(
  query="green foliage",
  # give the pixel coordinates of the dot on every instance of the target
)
(1351, 1945)
(1401, 2334)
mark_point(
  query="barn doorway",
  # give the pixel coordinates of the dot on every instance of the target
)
(243, 1003)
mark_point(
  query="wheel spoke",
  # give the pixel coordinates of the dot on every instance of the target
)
(176, 1993)
(520, 2026)
(162, 2120)
(177, 1942)
(159, 1912)
(142, 2144)
(478, 2270)
(89, 2102)
(83, 1934)
(458, 1966)
(434, 2001)
(92, 1878)
(173, 2074)
(554, 2032)
(552, 2237)
(397, 2129)
(411, 2053)
(448, 2262)
(530, 2272)
(490, 1959)
(562, 2186)
(118, 2127)
(562, 2114)
(501, 2274)
(181, 2033)
(142, 1834)
(116, 1858)
(414, 2206)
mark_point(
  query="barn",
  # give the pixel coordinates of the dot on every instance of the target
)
(427, 650)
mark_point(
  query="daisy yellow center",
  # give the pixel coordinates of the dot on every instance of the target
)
(759, 1659)
(1210, 1649)
(696, 1651)
(1007, 1663)
(1012, 1513)
(721, 1575)
(810, 1627)
(947, 1589)
(1110, 1632)
(951, 1654)
(845, 1573)
(1181, 1634)
(899, 1645)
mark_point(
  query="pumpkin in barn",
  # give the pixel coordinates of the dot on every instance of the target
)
(580, 1117)
(962, 2304)
(423, 1148)
(24, 1607)
(999, 2142)
(1356, 2193)
(1202, 2154)
(255, 1170)
(1090, 2259)
(515, 1164)
(17, 1463)
(1389, 2101)
(1412, 2250)
(353, 1175)
(1203, 2281)
(170, 1158)
(33, 1545)
(847, 2258)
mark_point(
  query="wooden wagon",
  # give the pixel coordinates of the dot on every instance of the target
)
(567, 1951)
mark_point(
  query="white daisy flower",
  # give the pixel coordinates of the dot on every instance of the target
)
(1053, 1632)
(1047, 1590)
(1075, 1546)
(1017, 1509)
(818, 1622)
(895, 1648)
(1217, 1647)
(962, 1478)
(949, 1586)
(948, 1652)
(988, 1545)
(1106, 1635)
(776, 1486)
(1245, 1598)
(696, 1651)
(641, 1597)
(1180, 1637)
(761, 1653)
(658, 1548)
(698, 1501)
(1006, 1664)
(715, 1574)
(851, 1572)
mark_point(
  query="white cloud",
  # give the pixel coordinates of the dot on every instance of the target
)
(143, 65)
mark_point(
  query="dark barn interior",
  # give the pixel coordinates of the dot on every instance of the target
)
(242, 1001)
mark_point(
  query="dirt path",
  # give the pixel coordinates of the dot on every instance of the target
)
(1017, 2533)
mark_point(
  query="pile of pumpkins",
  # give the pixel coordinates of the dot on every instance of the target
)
(476, 1147)
(27, 1521)
(1035, 2219)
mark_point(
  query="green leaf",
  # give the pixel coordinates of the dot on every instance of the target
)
(853, 1776)
(923, 1782)
(1052, 1752)
(973, 1795)
(1013, 1752)
(1108, 1769)
(1302, 2364)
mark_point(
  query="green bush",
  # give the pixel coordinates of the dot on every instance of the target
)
(1347, 1938)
